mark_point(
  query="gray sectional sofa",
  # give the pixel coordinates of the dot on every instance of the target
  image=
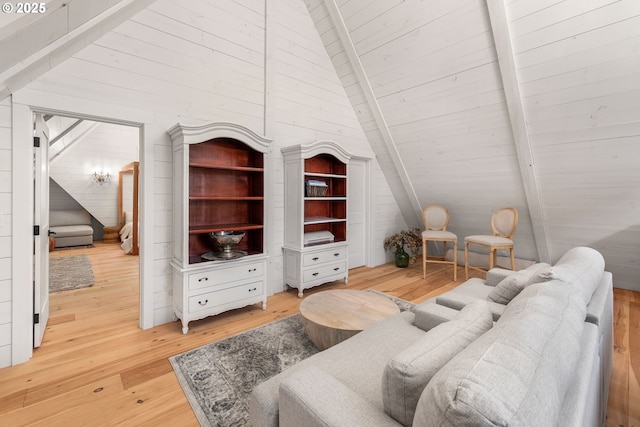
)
(540, 356)
(71, 227)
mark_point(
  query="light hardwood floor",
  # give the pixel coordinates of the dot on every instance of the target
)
(96, 367)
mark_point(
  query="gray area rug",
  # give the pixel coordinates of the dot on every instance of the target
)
(217, 378)
(71, 272)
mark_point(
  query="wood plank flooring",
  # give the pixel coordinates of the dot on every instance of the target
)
(96, 367)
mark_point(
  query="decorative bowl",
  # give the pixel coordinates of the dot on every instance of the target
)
(224, 238)
(227, 240)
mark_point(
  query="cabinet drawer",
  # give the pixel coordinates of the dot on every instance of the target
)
(224, 296)
(219, 276)
(336, 254)
(324, 271)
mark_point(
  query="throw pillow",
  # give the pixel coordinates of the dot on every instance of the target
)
(407, 374)
(514, 283)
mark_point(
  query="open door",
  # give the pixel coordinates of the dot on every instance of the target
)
(41, 230)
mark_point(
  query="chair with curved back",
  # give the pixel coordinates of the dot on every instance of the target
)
(436, 219)
(503, 223)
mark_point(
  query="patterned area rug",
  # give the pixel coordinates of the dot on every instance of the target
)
(218, 378)
(70, 272)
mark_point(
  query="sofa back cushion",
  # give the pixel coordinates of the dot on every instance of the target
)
(408, 372)
(70, 217)
(580, 267)
(514, 283)
(517, 373)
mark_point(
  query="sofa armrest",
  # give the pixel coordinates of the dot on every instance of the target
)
(496, 275)
(428, 315)
(313, 398)
(458, 301)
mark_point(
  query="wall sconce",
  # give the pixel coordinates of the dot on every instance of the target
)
(102, 177)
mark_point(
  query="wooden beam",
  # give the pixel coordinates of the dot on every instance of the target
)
(381, 123)
(506, 60)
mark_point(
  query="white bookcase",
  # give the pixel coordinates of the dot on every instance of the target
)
(315, 238)
(219, 178)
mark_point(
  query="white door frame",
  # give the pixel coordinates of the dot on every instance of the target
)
(24, 104)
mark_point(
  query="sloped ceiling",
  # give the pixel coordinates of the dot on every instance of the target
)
(100, 147)
(534, 105)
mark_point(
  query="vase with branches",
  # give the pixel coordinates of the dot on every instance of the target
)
(410, 239)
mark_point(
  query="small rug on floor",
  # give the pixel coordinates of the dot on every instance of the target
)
(217, 378)
(70, 272)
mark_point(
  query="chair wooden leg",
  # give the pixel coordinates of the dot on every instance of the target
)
(455, 260)
(492, 257)
(466, 261)
(513, 259)
(424, 259)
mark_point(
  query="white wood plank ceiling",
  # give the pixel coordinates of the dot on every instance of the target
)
(478, 105)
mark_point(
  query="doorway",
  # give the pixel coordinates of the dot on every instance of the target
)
(86, 158)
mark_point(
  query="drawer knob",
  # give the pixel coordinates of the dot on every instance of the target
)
(336, 254)
(251, 270)
(336, 269)
(315, 259)
(203, 303)
(203, 279)
(252, 290)
(315, 274)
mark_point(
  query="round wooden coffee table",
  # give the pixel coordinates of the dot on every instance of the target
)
(330, 317)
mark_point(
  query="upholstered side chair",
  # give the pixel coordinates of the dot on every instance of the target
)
(436, 219)
(503, 223)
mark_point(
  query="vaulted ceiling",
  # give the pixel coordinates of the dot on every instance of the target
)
(479, 105)
(472, 104)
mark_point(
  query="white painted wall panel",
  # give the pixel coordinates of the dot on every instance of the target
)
(579, 71)
(5, 231)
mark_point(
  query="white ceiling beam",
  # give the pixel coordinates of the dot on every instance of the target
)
(506, 60)
(363, 80)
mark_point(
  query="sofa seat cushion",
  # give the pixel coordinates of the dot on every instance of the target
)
(71, 231)
(517, 373)
(514, 283)
(358, 362)
(458, 300)
(408, 372)
(474, 287)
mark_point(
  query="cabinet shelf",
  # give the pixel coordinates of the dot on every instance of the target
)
(327, 198)
(325, 175)
(322, 220)
(223, 198)
(228, 168)
(224, 227)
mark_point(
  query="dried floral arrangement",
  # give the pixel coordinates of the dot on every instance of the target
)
(411, 239)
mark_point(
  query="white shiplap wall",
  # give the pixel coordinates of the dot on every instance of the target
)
(434, 74)
(108, 147)
(578, 64)
(205, 61)
(5, 232)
